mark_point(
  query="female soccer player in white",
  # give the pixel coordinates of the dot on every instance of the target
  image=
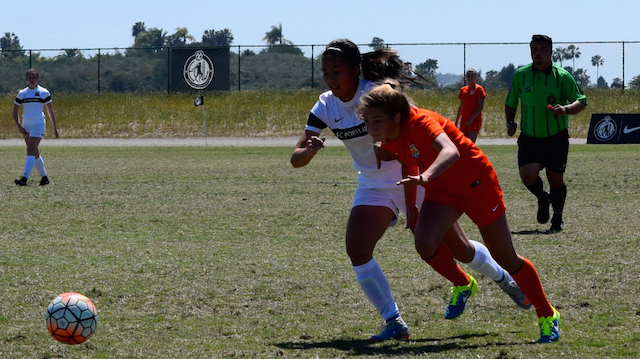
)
(378, 199)
(33, 98)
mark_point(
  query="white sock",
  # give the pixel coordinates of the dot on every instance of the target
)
(484, 263)
(28, 165)
(40, 166)
(375, 285)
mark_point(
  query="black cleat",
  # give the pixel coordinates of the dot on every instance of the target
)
(556, 224)
(543, 208)
(21, 182)
(44, 181)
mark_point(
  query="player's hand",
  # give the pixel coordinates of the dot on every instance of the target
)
(511, 130)
(411, 180)
(412, 219)
(558, 110)
(315, 143)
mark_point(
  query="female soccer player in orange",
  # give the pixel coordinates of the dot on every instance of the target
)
(469, 114)
(378, 199)
(458, 178)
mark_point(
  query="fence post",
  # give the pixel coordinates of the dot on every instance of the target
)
(239, 77)
(464, 62)
(312, 80)
(623, 66)
(98, 70)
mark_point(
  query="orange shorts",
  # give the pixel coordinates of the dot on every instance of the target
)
(479, 195)
(473, 127)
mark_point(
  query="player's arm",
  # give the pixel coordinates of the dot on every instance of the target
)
(52, 117)
(574, 108)
(308, 145)
(477, 111)
(382, 154)
(410, 197)
(448, 154)
(510, 114)
(16, 118)
(458, 113)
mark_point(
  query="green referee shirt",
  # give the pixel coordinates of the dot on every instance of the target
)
(538, 89)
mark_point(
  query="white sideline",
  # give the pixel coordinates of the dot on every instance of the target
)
(214, 142)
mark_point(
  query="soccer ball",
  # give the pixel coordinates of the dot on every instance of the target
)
(71, 318)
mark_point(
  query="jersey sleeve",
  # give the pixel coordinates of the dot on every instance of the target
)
(481, 92)
(315, 120)
(573, 90)
(514, 93)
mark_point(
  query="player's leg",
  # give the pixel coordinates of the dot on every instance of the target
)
(497, 236)
(365, 227)
(557, 154)
(32, 153)
(473, 135)
(530, 164)
(434, 221)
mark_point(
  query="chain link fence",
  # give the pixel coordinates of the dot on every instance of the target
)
(260, 67)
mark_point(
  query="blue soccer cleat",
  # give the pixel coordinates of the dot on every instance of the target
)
(459, 299)
(395, 328)
(550, 328)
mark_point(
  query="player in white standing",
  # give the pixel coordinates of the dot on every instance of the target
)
(33, 99)
(378, 198)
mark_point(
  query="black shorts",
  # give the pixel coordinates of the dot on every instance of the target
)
(550, 152)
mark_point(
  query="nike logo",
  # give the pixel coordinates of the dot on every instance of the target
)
(496, 207)
(338, 120)
(629, 130)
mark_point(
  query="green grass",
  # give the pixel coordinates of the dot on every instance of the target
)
(230, 252)
(257, 113)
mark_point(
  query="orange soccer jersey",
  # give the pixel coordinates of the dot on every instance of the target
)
(469, 185)
(469, 99)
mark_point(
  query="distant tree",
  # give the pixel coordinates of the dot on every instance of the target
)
(572, 53)
(248, 52)
(138, 28)
(616, 83)
(179, 38)
(506, 75)
(559, 54)
(492, 80)
(602, 83)
(597, 61)
(153, 37)
(274, 36)
(71, 53)
(217, 38)
(581, 77)
(377, 43)
(635, 83)
(10, 45)
(428, 67)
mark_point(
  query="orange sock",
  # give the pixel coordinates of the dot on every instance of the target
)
(529, 282)
(443, 263)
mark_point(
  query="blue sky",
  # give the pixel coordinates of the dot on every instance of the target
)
(89, 24)
(107, 24)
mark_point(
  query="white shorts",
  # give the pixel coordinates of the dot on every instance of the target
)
(391, 197)
(34, 129)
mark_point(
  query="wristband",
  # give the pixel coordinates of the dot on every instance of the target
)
(566, 110)
(509, 124)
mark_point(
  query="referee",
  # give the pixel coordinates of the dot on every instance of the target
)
(548, 94)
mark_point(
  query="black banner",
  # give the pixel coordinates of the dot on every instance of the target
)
(614, 128)
(194, 69)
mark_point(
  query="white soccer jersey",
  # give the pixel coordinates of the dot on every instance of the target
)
(341, 117)
(32, 102)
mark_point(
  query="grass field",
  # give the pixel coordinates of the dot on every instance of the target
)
(230, 252)
(257, 113)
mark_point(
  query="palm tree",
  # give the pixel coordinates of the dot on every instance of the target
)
(217, 38)
(274, 36)
(138, 27)
(597, 61)
(559, 54)
(573, 54)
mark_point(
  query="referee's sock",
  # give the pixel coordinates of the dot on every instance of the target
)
(537, 188)
(558, 197)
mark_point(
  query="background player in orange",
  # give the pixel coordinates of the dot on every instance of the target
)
(469, 114)
(458, 178)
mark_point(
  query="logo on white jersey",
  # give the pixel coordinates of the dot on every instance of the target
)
(198, 70)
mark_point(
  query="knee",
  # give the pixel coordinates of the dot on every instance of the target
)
(426, 249)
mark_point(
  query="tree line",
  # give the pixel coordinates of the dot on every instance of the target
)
(279, 65)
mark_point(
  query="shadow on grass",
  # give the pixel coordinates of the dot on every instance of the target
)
(392, 347)
(532, 231)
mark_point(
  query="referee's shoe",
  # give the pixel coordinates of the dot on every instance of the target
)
(543, 208)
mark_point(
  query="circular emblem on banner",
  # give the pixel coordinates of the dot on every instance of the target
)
(198, 70)
(551, 100)
(605, 129)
